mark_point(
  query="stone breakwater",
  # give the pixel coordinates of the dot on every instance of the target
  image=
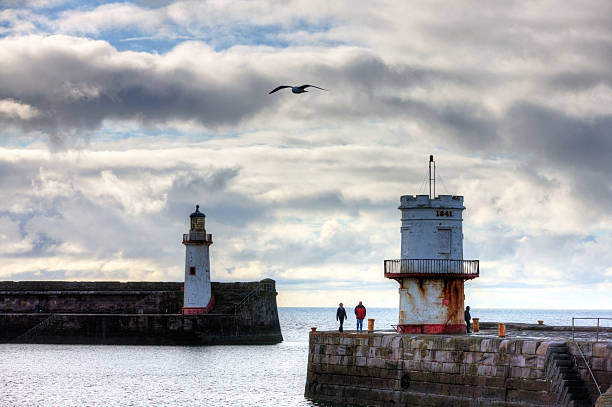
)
(389, 369)
(147, 313)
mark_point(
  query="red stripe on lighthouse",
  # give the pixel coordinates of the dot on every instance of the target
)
(432, 329)
(200, 310)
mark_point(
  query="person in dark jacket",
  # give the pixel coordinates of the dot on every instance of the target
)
(341, 316)
(360, 314)
(468, 317)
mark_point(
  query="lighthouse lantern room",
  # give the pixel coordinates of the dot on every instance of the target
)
(431, 271)
(198, 296)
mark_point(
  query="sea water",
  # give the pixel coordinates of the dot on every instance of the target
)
(268, 375)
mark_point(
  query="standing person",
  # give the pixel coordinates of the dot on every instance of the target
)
(467, 317)
(360, 314)
(341, 316)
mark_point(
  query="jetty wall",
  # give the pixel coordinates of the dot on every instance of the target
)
(135, 313)
(90, 297)
(388, 369)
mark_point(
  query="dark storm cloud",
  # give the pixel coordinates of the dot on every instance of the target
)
(144, 97)
(329, 202)
(192, 182)
(73, 85)
(579, 148)
(74, 91)
(465, 125)
(370, 74)
(579, 81)
(218, 203)
(545, 134)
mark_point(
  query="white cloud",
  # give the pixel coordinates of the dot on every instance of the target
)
(304, 215)
(513, 100)
(13, 109)
(142, 194)
(11, 240)
(107, 17)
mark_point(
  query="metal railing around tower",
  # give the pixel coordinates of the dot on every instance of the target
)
(462, 268)
(197, 237)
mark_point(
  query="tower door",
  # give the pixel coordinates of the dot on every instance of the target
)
(444, 241)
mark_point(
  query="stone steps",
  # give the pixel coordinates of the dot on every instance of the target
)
(225, 303)
(566, 381)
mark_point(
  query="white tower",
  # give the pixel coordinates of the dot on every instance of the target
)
(198, 297)
(431, 271)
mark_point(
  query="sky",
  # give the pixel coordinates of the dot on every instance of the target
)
(117, 118)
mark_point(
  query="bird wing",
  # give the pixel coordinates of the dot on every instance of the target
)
(279, 88)
(310, 86)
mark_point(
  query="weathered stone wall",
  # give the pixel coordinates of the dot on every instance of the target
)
(90, 286)
(393, 369)
(143, 313)
(599, 358)
(147, 329)
(110, 297)
(91, 297)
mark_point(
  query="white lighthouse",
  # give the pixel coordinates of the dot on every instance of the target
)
(431, 271)
(198, 297)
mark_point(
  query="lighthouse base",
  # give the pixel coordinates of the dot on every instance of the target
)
(200, 310)
(431, 329)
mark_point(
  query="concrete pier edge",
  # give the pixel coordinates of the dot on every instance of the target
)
(390, 369)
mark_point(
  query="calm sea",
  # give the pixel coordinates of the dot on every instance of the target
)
(100, 376)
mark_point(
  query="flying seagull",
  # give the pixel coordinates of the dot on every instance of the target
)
(295, 89)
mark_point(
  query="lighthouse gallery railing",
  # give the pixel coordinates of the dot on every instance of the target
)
(464, 268)
(197, 236)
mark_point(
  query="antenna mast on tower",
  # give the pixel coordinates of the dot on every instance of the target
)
(431, 161)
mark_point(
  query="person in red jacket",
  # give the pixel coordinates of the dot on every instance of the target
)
(360, 314)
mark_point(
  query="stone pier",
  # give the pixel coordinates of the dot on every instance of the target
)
(390, 369)
(145, 313)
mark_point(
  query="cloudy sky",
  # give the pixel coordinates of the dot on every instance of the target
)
(117, 118)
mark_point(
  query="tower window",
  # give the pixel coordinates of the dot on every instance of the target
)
(192, 271)
(197, 223)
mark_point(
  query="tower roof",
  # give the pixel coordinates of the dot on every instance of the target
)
(197, 213)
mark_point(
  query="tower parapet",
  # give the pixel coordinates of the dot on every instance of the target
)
(413, 201)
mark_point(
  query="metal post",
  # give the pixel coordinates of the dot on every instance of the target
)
(573, 339)
(430, 160)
